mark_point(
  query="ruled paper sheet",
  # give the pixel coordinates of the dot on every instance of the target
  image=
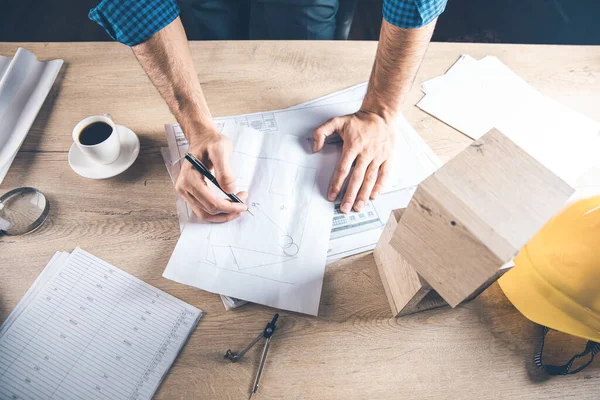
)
(88, 330)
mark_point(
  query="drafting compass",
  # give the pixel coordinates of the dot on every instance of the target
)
(266, 333)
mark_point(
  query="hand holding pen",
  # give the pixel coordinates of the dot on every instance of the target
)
(192, 185)
(206, 173)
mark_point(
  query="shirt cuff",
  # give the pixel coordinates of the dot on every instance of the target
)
(409, 14)
(132, 22)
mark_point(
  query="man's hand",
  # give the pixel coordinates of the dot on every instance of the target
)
(369, 144)
(214, 150)
(167, 60)
(369, 134)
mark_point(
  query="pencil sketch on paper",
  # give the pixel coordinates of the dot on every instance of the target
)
(280, 196)
(287, 135)
(272, 236)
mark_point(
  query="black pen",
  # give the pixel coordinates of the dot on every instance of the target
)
(204, 171)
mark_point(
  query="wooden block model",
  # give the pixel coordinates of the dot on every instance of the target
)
(406, 291)
(465, 222)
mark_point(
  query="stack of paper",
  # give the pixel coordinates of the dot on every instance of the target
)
(86, 329)
(264, 263)
(477, 95)
(24, 85)
(231, 302)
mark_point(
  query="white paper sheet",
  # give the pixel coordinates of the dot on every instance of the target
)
(24, 85)
(350, 233)
(477, 96)
(88, 330)
(276, 257)
(228, 302)
(432, 85)
(355, 232)
(588, 184)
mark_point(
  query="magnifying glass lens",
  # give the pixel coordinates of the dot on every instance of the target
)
(22, 211)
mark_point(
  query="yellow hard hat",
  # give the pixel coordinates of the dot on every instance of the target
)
(556, 278)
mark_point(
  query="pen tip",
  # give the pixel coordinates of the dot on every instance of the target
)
(250, 212)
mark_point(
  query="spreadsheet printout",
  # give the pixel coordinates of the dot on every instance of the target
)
(90, 330)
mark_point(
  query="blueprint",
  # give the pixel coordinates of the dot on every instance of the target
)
(276, 256)
(275, 259)
(351, 233)
(280, 199)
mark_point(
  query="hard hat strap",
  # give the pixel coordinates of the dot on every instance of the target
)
(591, 348)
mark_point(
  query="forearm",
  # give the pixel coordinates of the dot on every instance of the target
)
(399, 56)
(167, 60)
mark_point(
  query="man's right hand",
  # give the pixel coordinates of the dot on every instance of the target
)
(214, 150)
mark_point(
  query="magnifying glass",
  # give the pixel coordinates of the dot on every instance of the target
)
(22, 211)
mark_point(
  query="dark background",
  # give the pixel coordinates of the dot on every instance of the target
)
(505, 21)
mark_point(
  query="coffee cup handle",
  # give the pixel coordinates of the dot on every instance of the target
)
(111, 118)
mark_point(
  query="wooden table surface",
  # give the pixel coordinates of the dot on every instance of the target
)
(353, 349)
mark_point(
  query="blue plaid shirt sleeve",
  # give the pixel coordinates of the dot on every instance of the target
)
(412, 13)
(132, 22)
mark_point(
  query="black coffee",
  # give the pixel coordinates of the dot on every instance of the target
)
(94, 133)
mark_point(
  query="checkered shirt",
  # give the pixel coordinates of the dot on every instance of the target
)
(412, 13)
(134, 21)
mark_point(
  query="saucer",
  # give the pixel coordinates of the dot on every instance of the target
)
(86, 167)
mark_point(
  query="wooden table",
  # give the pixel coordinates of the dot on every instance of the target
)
(354, 349)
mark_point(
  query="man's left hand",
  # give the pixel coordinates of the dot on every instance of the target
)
(369, 145)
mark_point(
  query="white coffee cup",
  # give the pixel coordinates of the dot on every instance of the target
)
(104, 152)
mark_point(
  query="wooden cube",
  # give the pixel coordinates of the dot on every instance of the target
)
(474, 214)
(406, 291)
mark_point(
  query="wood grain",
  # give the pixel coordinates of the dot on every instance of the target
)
(475, 213)
(354, 349)
(406, 291)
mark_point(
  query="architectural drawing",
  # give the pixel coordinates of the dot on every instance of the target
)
(280, 196)
(273, 235)
(272, 164)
